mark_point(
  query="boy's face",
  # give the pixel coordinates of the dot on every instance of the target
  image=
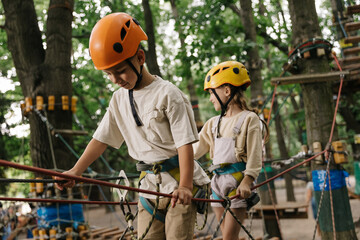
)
(123, 75)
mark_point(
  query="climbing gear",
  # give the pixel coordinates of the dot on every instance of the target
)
(159, 215)
(252, 200)
(225, 151)
(171, 166)
(115, 38)
(122, 195)
(231, 72)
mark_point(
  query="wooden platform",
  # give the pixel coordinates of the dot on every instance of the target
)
(284, 210)
(308, 78)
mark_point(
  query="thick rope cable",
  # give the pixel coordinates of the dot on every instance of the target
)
(241, 225)
(321, 200)
(156, 170)
(227, 207)
(331, 204)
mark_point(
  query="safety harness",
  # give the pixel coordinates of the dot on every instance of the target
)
(171, 166)
(234, 169)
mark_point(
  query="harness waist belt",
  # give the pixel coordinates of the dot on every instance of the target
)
(165, 165)
(222, 169)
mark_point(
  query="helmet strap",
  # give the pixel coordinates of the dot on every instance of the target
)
(223, 108)
(131, 92)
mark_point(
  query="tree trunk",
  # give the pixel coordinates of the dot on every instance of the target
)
(43, 72)
(254, 62)
(151, 59)
(319, 111)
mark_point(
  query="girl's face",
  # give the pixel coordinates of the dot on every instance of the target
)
(223, 92)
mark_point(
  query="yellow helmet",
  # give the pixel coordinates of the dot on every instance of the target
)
(230, 72)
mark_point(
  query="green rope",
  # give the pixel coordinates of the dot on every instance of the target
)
(156, 169)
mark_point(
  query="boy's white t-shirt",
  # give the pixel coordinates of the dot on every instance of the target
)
(168, 123)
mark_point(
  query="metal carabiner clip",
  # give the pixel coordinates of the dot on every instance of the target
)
(122, 194)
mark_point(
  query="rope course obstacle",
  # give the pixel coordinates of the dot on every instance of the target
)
(333, 151)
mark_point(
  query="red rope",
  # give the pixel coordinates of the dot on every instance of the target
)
(90, 180)
(44, 200)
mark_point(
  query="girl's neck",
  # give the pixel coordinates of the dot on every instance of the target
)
(232, 110)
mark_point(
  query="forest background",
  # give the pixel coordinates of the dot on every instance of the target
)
(189, 38)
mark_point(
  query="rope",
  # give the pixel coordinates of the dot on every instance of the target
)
(241, 225)
(227, 207)
(321, 200)
(156, 170)
(47, 200)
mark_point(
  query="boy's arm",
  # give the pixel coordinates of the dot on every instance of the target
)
(183, 194)
(92, 152)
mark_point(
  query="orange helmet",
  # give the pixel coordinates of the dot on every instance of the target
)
(114, 38)
(230, 72)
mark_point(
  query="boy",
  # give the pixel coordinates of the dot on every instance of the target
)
(153, 117)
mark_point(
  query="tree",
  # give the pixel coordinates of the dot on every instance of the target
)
(319, 111)
(43, 68)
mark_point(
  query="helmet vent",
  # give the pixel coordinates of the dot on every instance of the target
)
(225, 68)
(118, 47)
(127, 23)
(136, 21)
(208, 78)
(236, 70)
(216, 72)
(123, 34)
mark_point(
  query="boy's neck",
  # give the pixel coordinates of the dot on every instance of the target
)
(147, 79)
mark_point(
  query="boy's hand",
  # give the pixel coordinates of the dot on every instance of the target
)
(182, 195)
(243, 190)
(68, 183)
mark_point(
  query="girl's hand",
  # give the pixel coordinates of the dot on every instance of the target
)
(244, 189)
(68, 183)
(182, 195)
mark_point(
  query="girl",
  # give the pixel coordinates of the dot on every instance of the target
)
(234, 141)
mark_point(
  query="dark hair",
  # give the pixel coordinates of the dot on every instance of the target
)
(240, 100)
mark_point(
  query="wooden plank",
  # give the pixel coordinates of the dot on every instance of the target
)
(352, 39)
(100, 233)
(349, 60)
(353, 50)
(308, 78)
(285, 210)
(352, 26)
(282, 206)
(350, 67)
(353, 9)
